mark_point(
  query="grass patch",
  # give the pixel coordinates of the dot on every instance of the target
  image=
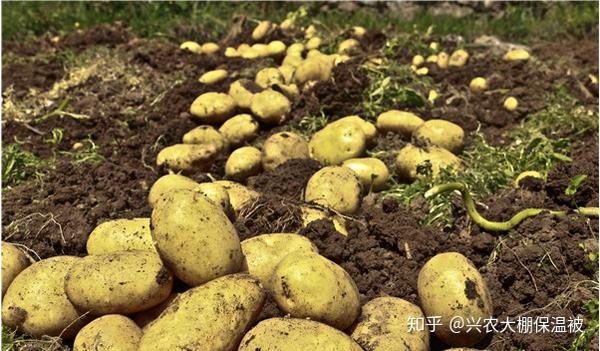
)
(19, 165)
(584, 340)
(311, 124)
(12, 341)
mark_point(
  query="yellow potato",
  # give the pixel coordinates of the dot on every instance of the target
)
(270, 107)
(168, 183)
(307, 285)
(261, 30)
(119, 282)
(231, 52)
(443, 60)
(317, 68)
(218, 195)
(384, 326)
(243, 47)
(213, 77)
(292, 60)
(210, 48)
(290, 90)
(400, 122)
(333, 145)
(511, 103)
(239, 129)
(411, 157)
(458, 58)
(293, 334)
(358, 31)
(267, 77)
(295, 49)
(14, 261)
(287, 72)
(310, 31)
(213, 316)
(287, 24)
(213, 108)
(340, 59)
(348, 46)
(433, 95)
(194, 237)
(243, 163)
(242, 92)
(313, 43)
(439, 132)
(142, 319)
(264, 252)
(418, 60)
(516, 55)
(120, 235)
(310, 214)
(205, 135)
(372, 172)
(261, 50)
(338, 188)
(280, 147)
(36, 301)
(239, 195)
(191, 46)
(276, 48)
(367, 127)
(450, 286)
(478, 84)
(432, 59)
(187, 157)
(107, 333)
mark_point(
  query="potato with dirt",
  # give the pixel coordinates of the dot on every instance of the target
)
(191, 46)
(316, 68)
(122, 282)
(36, 302)
(307, 285)
(194, 237)
(187, 158)
(143, 318)
(337, 143)
(338, 188)
(267, 77)
(219, 196)
(367, 127)
(213, 77)
(205, 135)
(264, 252)
(107, 333)
(243, 163)
(239, 129)
(213, 316)
(439, 132)
(120, 235)
(14, 261)
(294, 334)
(384, 326)
(410, 158)
(168, 183)
(281, 147)
(240, 196)
(399, 122)
(270, 107)
(261, 30)
(242, 91)
(213, 108)
(450, 286)
(458, 58)
(311, 214)
(372, 172)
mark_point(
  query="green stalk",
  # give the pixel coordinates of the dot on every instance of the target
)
(506, 225)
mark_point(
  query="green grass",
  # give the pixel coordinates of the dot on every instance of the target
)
(12, 341)
(584, 340)
(523, 22)
(18, 165)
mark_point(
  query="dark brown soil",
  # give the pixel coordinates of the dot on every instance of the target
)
(37, 74)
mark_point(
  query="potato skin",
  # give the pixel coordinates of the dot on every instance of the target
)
(145, 317)
(239, 129)
(264, 252)
(383, 326)
(270, 107)
(449, 285)
(243, 163)
(187, 157)
(410, 157)
(168, 183)
(120, 235)
(195, 238)
(373, 173)
(333, 145)
(267, 77)
(107, 333)
(292, 334)
(219, 195)
(239, 195)
(400, 122)
(281, 147)
(213, 316)
(14, 261)
(441, 133)
(242, 91)
(338, 188)
(121, 282)
(36, 301)
(307, 285)
(212, 77)
(213, 108)
(205, 135)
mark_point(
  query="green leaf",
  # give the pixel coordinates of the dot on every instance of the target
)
(574, 184)
(411, 98)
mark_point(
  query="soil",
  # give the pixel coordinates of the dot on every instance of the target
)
(526, 269)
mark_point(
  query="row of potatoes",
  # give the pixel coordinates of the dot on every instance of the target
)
(121, 295)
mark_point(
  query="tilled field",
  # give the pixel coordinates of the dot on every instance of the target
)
(97, 106)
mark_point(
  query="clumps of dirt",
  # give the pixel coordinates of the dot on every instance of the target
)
(287, 180)
(269, 214)
(37, 74)
(103, 34)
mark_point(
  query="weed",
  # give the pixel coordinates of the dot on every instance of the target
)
(583, 340)
(56, 138)
(85, 154)
(11, 341)
(311, 124)
(60, 112)
(19, 165)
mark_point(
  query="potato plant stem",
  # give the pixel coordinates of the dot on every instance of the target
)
(500, 226)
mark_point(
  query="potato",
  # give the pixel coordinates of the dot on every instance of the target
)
(400, 122)
(187, 157)
(367, 127)
(287, 72)
(213, 108)
(239, 195)
(516, 55)
(313, 43)
(431, 59)
(422, 71)
(334, 144)
(261, 30)
(280, 147)
(458, 58)
(261, 50)
(267, 77)
(205, 135)
(291, 91)
(239, 129)
(287, 24)
(36, 302)
(310, 214)
(107, 333)
(511, 103)
(146, 317)
(210, 48)
(348, 46)
(358, 31)
(434, 46)
(310, 31)
(14, 261)
(213, 316)
(314, 53)
(276, 48)
(433, 95)
(213, 77)
(441, 133)
(443, 60)
(307, 285)
(340, 59)
(525, 174)
(478, 84)
(295, 49)
(418, 60)
(231, 52)
(372, 172)
(168, 183)
(264, 252)
(191, 46)
(450, 286)
(218, 195)
(338, 188)
(410, 157)
(243, 163)
(292, 60)
(270, 107)
(242, 91)
(243, 47)
(194, 237)
(316, 68)
(384, 326)
(120, 235)
(293, 334)
(119, 282)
